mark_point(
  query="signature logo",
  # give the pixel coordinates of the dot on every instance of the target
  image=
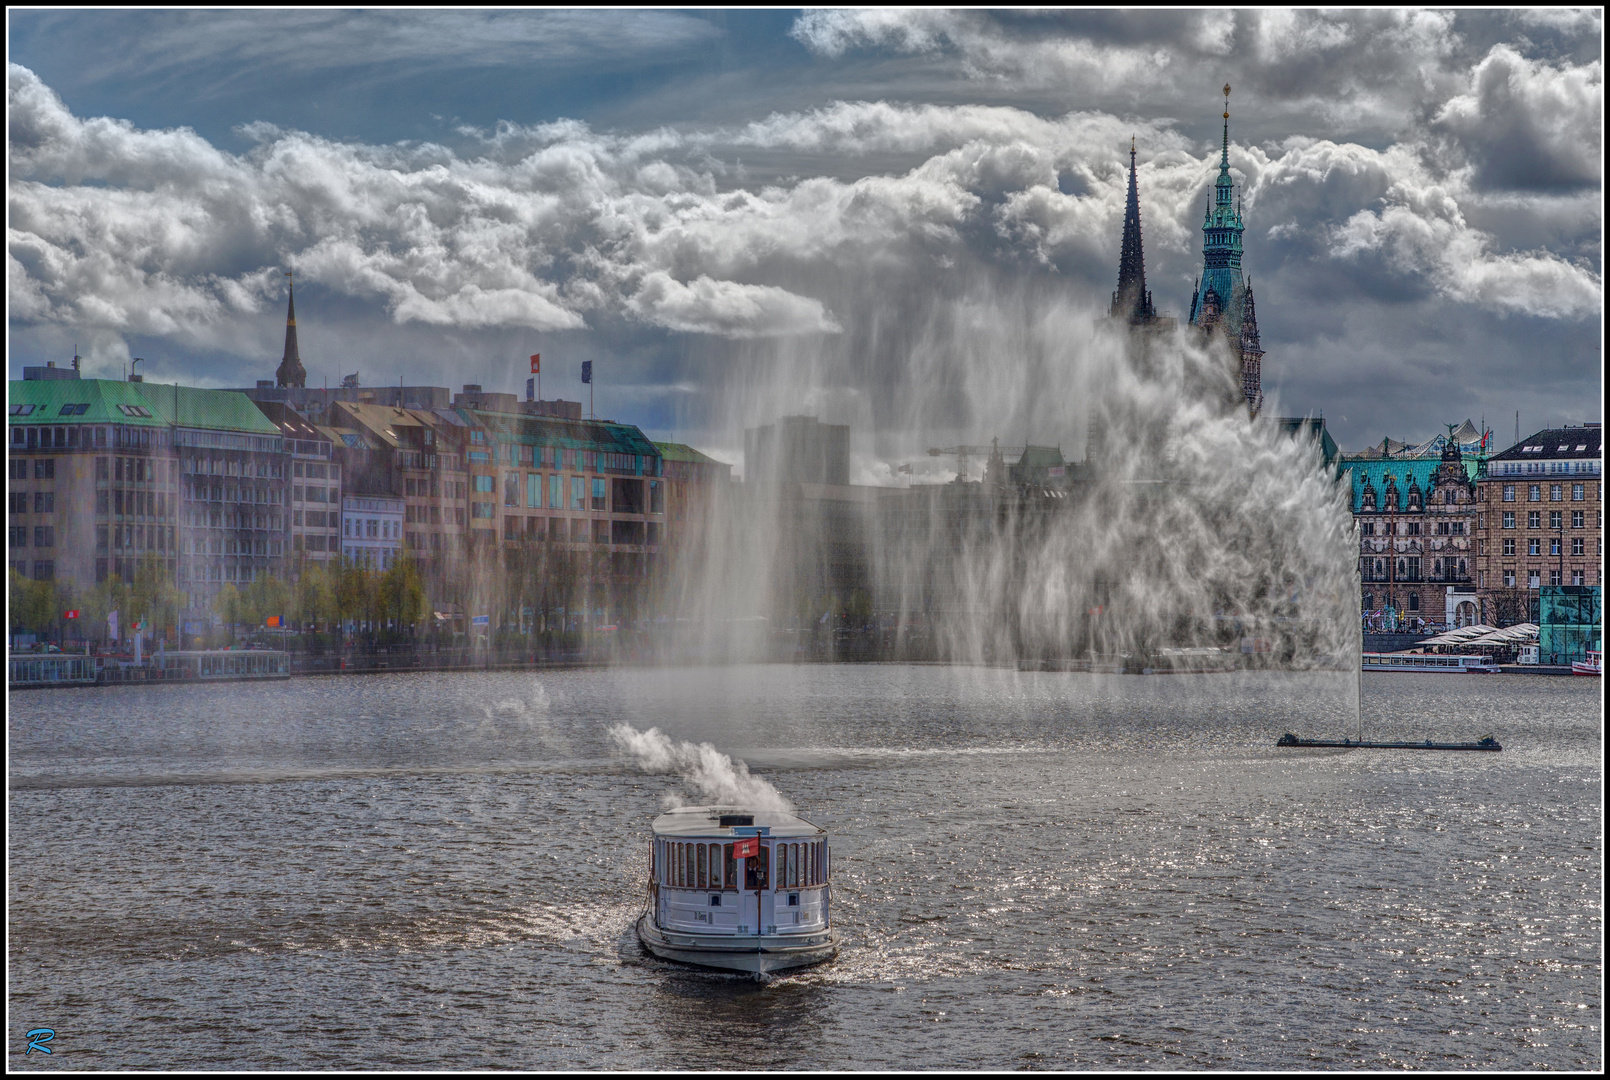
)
(37, 1038)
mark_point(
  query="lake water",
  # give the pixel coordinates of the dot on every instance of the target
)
(1031, 871)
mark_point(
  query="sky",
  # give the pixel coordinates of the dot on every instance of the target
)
(908, 221)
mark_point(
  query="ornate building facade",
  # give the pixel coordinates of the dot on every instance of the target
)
(1222, 300)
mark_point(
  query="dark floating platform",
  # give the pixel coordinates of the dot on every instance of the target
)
(1489, 743)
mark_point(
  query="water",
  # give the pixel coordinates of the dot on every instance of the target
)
(1039, 871)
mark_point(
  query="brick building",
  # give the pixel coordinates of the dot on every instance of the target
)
(1541, 521)
(1417, 524)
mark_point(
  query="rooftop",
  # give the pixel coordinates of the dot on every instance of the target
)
(112, 401)
(705, 821)
(1553, 444)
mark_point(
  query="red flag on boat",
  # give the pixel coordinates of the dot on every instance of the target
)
(747, 848)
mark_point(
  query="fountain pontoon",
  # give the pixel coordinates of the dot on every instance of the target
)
(739, 889)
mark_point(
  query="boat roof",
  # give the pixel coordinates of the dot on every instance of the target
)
(706, 821)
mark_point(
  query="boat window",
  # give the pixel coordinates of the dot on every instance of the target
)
(681, 864)
(793, 866)
(699, 859)
(757, 871)
(731, 865)
(782, 866)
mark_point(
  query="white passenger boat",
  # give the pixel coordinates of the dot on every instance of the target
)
(1593, 665)
(744, 890)
(1428, 662)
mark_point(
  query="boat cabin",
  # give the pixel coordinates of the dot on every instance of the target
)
(700, 885)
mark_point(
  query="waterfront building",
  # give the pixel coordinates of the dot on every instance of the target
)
(798, 450)
(314, 521)
(371, 530)
(104, 474)
(1221, 302)
(1541, 522)
(1417, 523)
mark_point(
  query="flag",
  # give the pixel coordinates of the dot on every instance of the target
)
(531, 389)
(69, 614)
(111, 624)
(586, 371)
(536, 363)
(272, 622)
(747, 848)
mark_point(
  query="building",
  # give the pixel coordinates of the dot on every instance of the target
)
(371, 530)
(1417, 524)
(106, 474)
(1221, 303)
(315, 518)
(1570, 623)
(693, 483)
(799, 450)
(1541, 522)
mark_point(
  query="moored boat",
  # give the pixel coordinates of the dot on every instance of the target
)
(738, 889)
(1593, 665)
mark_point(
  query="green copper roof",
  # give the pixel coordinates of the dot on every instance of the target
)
(1403, 470)
(675, 451)
(600, 435)
(104, 401)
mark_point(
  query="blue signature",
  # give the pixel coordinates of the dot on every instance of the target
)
(37, 1038)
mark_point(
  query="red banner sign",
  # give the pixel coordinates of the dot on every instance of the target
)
(747, 848)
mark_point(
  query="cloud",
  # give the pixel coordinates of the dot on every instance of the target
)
(1529, 124)
(706, 306)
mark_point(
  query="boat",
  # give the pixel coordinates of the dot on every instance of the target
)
(739, 889)
(1456, 664)
(1485, 743)
(1593, 665)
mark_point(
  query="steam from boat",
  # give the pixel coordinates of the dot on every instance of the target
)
(716, 776)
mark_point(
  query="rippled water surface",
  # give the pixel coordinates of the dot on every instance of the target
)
(1041, 871)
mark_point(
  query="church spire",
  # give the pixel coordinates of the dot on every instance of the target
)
(291, 372)
(1131, 300)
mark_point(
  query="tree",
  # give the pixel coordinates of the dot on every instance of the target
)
(314, 601)
(33, 604)
(353, 590)
(153, 596)
(227, 606)
(401, 593)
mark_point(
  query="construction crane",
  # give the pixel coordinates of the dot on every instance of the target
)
(964, 452)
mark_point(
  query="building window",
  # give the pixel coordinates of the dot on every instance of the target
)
(1509, 547)
(556, 492)
(44, 536)
(511, 488)
(44, 468)
(1509, 519)
(578, 493)
(1509, 492)
(483, 485)
(45, 571)
(1534, 493)
(533, 491)
(1414, 601)
(1534, 519)
(1555, 518)
(1509, 579)
(1534, 580)
(484, 511)
(1576, 492)
(1576, 577)
(1554, 545)
(1577, 517)
(1578, 546)
(1554, 578)
(1369, 528)
(1534, 547)
(1554, 493)
(599, 497)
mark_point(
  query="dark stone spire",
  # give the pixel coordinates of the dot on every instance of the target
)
(291, 372)
(1131, 300)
